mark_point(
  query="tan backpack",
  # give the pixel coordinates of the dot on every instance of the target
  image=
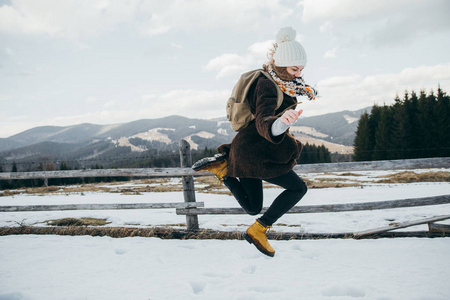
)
(238, 108)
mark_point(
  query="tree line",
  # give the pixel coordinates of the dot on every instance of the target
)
(417, 126)
(312, 154)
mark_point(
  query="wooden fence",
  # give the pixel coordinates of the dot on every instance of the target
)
(191, 209)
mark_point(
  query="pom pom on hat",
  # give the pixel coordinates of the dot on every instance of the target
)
(286, 34)
(289, 52)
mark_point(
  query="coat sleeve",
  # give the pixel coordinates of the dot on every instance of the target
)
(266, 104)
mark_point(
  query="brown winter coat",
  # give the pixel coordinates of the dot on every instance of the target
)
(254, 151)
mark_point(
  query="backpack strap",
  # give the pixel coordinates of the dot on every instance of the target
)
(238, 108)
(280, 94)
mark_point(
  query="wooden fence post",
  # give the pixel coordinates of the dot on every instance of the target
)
(188, 183)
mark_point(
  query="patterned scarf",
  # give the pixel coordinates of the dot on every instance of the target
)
(293, 88)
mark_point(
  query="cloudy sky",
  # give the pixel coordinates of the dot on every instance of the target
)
(65, 62)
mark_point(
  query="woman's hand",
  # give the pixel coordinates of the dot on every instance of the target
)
(290, 116)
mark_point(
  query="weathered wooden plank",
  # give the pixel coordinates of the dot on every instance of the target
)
(400, 164)
(443, 228)
(400, 225)
(436, 200)
(188, 183)
(403, 164)
(109, 206)
(148, 172)
(214, 211)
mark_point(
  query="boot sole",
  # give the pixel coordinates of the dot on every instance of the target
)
(261, 249)
(204, 162)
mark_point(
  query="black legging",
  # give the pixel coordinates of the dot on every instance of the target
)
(249, 193)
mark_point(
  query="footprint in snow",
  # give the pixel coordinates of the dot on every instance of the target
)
(296, 247)
(342, 291)
(217, 275)
(121, 251)
(249, 269)
(198, 286)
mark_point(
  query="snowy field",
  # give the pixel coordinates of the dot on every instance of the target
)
(84, 267)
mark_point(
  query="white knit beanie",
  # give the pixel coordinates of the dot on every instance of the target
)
(289, 52)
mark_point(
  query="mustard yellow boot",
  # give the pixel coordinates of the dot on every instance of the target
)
(218, 165)
(256, 234)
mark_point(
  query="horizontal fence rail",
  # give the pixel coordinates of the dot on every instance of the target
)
(110, 206)
(380, 165)
(147, 172)
(445, 199)
(430, 220)
(402, 164)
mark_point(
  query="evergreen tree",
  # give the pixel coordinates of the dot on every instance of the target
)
(372, 126)
(64, 166)
(412, 134)
(312, 154)
(361, 142)
(383, 135)
(325, 155)
(443, 121)
(398, 130)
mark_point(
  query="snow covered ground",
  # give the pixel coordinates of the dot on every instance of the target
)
(84, 267)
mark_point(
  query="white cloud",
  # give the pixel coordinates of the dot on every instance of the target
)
(314, 10)
(80, 19)
(147, 98)
(9, 51)
(355, 92)
(176, 46)
(234, 64)
(201, 14)
(192, 103)
(110, 104)
(331, 53)
(327, 27)
(90, 100)
(228, 64)
(378, 22)
(69, 18)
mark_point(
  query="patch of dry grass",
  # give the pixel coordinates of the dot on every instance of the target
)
(239, 225)
(164, 188)
(323, 185)
(410, 176)
(286, 225)
(349, 174)
(171, 225)
(325, 179)
(319, 184)
(8, 193)
(211, 186)
(154, 180)
(71, 189)
(138, 190)
(78, 222)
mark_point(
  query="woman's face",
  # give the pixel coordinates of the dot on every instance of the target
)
(295, 71)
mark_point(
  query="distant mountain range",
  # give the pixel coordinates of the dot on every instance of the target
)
(89, 141)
